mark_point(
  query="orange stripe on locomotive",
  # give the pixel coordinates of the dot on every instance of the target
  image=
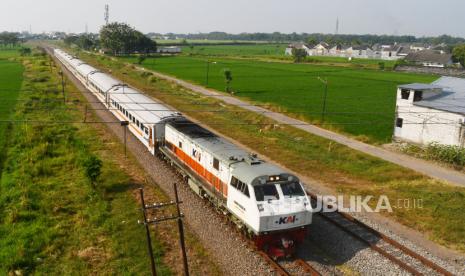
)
(210, 178)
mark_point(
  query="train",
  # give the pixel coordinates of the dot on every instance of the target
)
(266, 202)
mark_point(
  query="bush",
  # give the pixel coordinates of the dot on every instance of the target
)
(450, 154)
(145, 74)
(93, 168)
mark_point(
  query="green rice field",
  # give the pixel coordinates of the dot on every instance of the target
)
(360, 102)
(237, 50)
(11, 76)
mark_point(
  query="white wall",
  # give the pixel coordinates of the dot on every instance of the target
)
(423, 125)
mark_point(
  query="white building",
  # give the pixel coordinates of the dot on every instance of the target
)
(430, 58)
(427, 113)
(169, 50)
(299, 45)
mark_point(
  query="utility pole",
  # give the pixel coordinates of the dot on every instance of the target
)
(147, 232)
(181, 232)
(208, 70)
(125, 125)
(337, 26)
(156, 220)
(323, 113)
(62, 74)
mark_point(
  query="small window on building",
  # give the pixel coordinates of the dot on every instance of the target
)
(399, 122)
(418, 96)
(216, 164)
(405, 94)
(180, 145)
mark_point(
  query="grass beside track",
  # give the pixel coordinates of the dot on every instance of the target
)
(360, 102)
(52, 220)
(11, 76)
(344, 170)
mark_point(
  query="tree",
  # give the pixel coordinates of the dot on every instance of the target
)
(93, 168)
(25, 51)
(459, 54)
(228, 78)
(381, 65)
(85, 42)
(120, 38)
(140, 59)
(312, 41)
(299, 54)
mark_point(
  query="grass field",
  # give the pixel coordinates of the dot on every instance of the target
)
(237, 50)
(342, 169)
(11, 76)
(203, 41)
(53, 221)
(360, 102)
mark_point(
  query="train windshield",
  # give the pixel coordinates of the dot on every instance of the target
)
(266, 192)
(292, 189)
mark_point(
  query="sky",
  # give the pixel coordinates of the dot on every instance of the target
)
(392, 17)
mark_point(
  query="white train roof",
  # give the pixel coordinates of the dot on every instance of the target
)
(86, 69)
(104, 81)
(245, 166)
(143, 108)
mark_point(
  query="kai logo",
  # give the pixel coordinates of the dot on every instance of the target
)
(286, 220)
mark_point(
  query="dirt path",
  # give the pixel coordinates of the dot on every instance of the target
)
(421, 166)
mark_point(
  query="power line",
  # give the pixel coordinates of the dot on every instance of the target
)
(227, 124)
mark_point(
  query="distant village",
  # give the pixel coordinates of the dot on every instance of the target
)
(421, 54)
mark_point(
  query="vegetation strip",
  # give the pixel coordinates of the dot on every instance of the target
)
(342, 169)
(58, 214)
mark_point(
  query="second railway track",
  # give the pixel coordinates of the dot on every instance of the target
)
(397, 253)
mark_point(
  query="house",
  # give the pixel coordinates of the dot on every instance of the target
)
(298, 45)
(169, 50)
(430, 58)
(321, 49)
(337, 51)
(431, 113)
(361, 51)
(417, 47)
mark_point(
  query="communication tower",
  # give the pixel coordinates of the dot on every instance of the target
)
(107, 14)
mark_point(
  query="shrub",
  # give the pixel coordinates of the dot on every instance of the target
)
(450, 154)
(93, 168)
(145, 74)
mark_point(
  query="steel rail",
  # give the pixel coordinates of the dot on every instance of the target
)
(279, 269)
(308, 268)
(385, 238)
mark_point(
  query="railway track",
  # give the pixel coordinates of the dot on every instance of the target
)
(397, 253)
(293, 267)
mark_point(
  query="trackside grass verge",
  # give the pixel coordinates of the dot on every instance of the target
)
(11, 74)
(52, 220)
(344, 170)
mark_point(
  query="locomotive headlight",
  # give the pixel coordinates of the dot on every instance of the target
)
(260, 207)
